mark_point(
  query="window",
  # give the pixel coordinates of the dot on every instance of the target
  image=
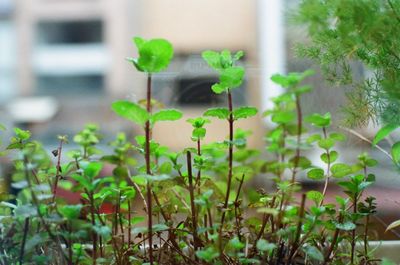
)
(6, 8)
(69, 85)
(196, 91)
(70, 32)
(188, 82)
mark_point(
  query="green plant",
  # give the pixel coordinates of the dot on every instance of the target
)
(193, 206)
(345, 32)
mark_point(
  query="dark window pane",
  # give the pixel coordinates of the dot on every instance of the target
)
(70, 32)
(70, 85)
(196, 91)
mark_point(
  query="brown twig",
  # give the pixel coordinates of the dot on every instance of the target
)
(237, 204)
(26, 229)
(148, 171)
(58, 169)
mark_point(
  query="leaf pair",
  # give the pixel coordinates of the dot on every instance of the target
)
(140, 116)
(239, 113)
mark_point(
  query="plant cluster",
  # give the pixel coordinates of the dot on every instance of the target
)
(191, 206)
(345, 32)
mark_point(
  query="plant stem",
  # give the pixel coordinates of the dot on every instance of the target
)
(70, 253)
(230, 162)
(327, 171)
(26, 229)
(295, 244)
(237, 204)
(353, 232)
(366, 236)
(333, 243)
(148, 171)
(299, 129)
(58, 170)
(94, 236)
(192, 205)
(129, 223)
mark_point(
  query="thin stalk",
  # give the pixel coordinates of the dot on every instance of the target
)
(148, 171)
(237, 204)
(366, 236)
(353, 232)
(299, 129)
(333, 243)
(121, 225)
(26, 229)
(295, 244)
(192, 205)
(94, 236)
(137, 188)
(58, 170)
(70, 252)
(129, 224)
(327, 170)
(230, 165)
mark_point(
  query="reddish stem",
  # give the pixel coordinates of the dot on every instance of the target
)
(148, 171)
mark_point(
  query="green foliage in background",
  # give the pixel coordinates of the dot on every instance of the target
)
(345, 32)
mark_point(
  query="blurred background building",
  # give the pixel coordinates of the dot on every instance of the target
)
(62, 64)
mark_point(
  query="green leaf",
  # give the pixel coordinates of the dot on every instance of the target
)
(292, 79)
(302, 162)
(244, 112)
(384, 132)
(337, 136)
(25, 210)
(165, 168)
(326, 144)
(236, 244)
(160, 227)
(316, 174)
(396, 153)
(220, 113)
(71, 212)
(283, 117)
(218, 88)
(207, 254)
(130, 111)
(2, 127)
(198, 122)
(263, 246)
(346, 226)
(154, 55)
(315, 196)
(92, 169)
(166, 115)
(333, 155)
(313, 253)
(198, 134)
(22, 134)
(313, 138)
(101, 230)
(212, 58)
(232, 77)
(340, 170)
(319, 120)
